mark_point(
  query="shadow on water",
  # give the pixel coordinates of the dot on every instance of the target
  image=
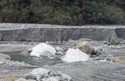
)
(17, 56)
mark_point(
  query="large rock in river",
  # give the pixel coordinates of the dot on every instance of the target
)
(113, 39)
(43, 49)
(75, 55)
(85, 47)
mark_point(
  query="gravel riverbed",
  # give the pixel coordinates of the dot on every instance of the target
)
(93, 70)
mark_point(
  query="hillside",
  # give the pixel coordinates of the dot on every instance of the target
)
(66, 12)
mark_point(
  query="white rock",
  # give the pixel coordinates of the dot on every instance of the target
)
(37, 73)
(51, 79)
(43, 49)
(75, 55)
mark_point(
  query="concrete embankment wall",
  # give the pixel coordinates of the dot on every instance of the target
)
(42, 32)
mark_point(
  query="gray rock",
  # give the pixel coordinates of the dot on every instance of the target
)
(41, 74)
(97, 51)
(113, 39)
(37, 74)
(59, 53)
(59, 49)
(85, 46)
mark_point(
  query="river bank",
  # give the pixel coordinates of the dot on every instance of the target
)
(97, 69)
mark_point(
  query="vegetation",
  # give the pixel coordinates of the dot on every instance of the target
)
(67, 12)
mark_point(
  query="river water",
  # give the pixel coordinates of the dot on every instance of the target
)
(17, 56)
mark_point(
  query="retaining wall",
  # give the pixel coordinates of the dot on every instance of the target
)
(42, 32)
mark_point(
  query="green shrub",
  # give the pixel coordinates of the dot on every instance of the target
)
(98, 13)
(6, 14)
(68, 12)
(61, 17)
(24, 14)
(113, 15)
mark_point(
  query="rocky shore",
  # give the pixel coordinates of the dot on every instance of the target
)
(99, 68)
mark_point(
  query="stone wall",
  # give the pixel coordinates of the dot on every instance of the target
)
(39, 32)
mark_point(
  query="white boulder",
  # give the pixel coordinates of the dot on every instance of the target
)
(43, 49)
(75, 55)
